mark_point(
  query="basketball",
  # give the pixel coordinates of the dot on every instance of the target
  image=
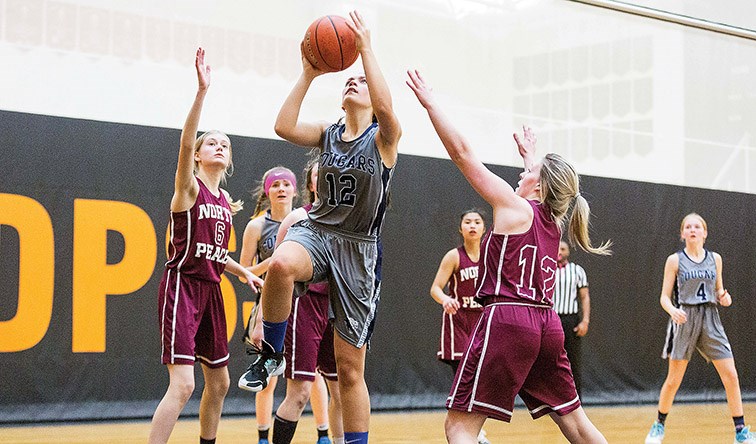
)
(329, 44)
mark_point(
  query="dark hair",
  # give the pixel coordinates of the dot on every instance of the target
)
(480, 212)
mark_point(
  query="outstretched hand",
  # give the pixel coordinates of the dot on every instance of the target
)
(361, 32)
(203, 71)
(422, 90)
(526, 144)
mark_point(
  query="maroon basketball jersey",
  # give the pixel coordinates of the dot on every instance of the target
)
(521, 267)
(463, 282)
(199, 237)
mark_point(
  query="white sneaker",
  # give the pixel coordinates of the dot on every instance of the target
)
(656, 434)
(482, 437)
(745, 436)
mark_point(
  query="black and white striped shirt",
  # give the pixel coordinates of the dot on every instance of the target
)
(568, 280)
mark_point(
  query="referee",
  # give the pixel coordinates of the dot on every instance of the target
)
(572, 286)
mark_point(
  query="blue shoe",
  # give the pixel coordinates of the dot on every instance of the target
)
(656, 434)
(323, 440)
(263, 441)
(745, 436)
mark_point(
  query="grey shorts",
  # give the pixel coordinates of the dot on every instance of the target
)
(351, 265)
(703, 331)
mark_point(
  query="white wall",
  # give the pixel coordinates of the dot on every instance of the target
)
(622, 96)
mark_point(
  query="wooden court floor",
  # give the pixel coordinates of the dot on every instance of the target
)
(687, 423)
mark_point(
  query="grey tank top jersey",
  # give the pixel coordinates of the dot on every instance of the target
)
(267, 241)
(696, 281)
(353, 183)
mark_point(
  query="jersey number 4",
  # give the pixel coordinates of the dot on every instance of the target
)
(701, 292)
(527, 264)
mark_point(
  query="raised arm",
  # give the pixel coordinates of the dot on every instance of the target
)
(389, 130)
(186, 187)
(526, 147)
(448, 265)
(496, 191)
(288, 125)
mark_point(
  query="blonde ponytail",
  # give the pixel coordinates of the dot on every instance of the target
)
(578, 229)
(560, 190)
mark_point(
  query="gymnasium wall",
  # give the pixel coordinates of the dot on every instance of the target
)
(83, 216)
(657, 117)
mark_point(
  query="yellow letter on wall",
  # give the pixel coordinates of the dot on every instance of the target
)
(93, 277)
(227, 290)
(36, 263)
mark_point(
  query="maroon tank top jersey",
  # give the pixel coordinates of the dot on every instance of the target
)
(199, 237)
(517, 346)
(520, 267)
(456, 328)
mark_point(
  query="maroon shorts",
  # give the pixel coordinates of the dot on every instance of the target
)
(309, 339)
(515, 349)
(455, 332)
(192, 321)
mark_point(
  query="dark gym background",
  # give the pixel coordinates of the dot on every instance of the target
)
(56, 160)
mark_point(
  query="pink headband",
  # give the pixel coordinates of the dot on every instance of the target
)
(279, 175)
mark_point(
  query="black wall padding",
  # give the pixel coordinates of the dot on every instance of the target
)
(56, 160)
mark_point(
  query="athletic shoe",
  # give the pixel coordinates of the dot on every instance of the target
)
(263, 441)
(323, 440)
(745, 436)
(482, 437)
(656, 434)
(266, 363)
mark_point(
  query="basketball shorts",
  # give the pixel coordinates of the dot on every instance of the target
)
(309, 339)
(703, 331)
(192, 321)
(455, 333)
(515, 349)
(351, 264)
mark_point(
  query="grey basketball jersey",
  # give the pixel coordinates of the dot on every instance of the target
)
(353, 183)
(267, 241)
(696, 281)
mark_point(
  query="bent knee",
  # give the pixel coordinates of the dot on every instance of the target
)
(280, 267)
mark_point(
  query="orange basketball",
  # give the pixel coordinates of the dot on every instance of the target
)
(329, 44)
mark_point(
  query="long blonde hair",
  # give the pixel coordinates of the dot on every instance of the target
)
(236, 205)
(560, 190)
